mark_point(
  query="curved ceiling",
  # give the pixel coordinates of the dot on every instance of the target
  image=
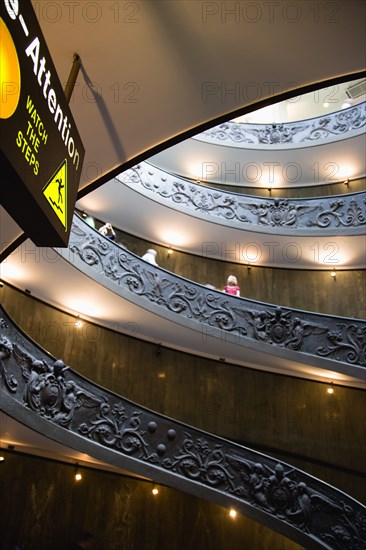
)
(319, 103)
(266, 167)
(146, 62)
(154, 72)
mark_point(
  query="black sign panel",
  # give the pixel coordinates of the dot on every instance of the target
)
(41, 154)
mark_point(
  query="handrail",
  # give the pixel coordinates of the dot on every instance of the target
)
(302, 133)
(327, 341)
(322, 216)
(51, 398)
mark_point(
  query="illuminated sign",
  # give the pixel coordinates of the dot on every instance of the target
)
(55, 192)
(41, 153)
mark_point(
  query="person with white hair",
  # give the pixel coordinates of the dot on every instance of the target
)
(150, 256)
(231, 286)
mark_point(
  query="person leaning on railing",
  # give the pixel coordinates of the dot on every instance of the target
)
(107, 231)
(231, 286)
(150, 256)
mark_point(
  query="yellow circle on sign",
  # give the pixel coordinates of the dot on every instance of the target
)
(9, 73)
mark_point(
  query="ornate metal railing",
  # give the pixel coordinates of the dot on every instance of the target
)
(49, 397)
(342, 214)
(322, 340)
(332, 127)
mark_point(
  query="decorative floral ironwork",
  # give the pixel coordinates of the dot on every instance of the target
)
(116, 429)
(338, 125)
(348, 211)
(348, 342)
(172, 293)
(340, 213)
(279, 495)
(285, 328)
(197, 198)
(282, 328)
(272, 134)
(47, 391)
(279, 212)
(350, 532)
(283, 493)
(197, 461)
(6, 349)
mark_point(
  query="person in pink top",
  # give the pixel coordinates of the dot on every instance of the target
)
(231, 286)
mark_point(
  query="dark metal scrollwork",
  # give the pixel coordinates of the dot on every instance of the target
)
(279, 212)
(116, 429)
(276, 493)
(338, 124)
(6, 349)
(197, 461)
(347, 341)
(320, 213)
(340, 213)
(273, 134)
(334, 126)
(47, 391)
(300, 331)
(282, 328)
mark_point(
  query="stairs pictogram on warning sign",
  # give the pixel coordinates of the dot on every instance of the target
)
(55, 192)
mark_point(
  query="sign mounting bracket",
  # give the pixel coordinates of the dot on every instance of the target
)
(69, 88)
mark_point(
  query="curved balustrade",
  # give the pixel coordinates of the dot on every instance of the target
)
(49, 397)
(322, 340)
(322, 216)
(314, 131)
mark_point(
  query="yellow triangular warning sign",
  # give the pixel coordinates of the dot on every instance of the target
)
(55, 192)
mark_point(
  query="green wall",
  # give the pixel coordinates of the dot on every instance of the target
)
(291, 418)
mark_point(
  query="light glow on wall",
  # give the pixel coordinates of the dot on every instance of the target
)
(346, 171)
(85, 307)
(197, 171)
(174, 238)
(9, 271)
